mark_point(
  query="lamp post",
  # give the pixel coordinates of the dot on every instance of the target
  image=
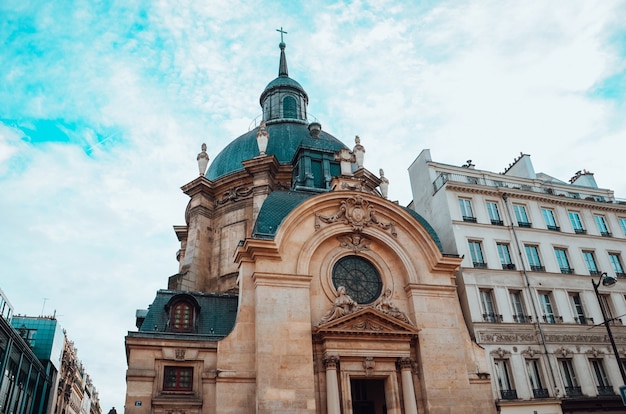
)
(608, 281)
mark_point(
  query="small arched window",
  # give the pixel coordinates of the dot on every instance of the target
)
(181, 317)
(290, 107)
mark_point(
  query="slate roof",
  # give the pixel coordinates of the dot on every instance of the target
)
(279, 204)
(285, 138)
(217, 315)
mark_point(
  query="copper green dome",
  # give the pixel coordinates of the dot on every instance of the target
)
(285, 138)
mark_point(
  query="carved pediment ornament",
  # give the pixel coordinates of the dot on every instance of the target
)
(354, 241)
(529, 352)
(355, 212)
(500, 352)
(367, 325)
(595, 352)
(234, 194)
(563, 352)
(368, 364)
(180, 354)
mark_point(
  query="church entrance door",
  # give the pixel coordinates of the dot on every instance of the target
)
(368, 396)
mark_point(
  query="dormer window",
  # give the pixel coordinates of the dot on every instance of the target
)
(290, 107)
(182, 311)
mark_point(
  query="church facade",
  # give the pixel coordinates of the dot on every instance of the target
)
(302, 289)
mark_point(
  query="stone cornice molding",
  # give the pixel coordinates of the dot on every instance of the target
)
(280, 279)
(200, 210)
(200, 185)
(417, 289)
(252, 249)
(262, 164)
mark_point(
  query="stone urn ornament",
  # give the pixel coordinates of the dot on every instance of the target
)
(203, 160)
(262, 138)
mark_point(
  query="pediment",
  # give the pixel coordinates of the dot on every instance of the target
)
(367, 321)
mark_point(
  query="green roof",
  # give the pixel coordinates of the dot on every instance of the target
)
(216, 318)
(285, 138)
(279, 204)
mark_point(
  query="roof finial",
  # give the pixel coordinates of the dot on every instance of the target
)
(282, 68)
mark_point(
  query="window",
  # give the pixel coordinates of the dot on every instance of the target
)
(505, 256)
(503, 377)
(178, 379)
(616, 264)
(577, 224)
(605, 303)
(546, 307)
(517, 307)
(466, 210)
(561, 258)
(600, 378)
(534, 377)
(577, 308)
(476, 252)
(572, 389)
(622, 224)
(489, 310)
(532, 253)
(521, 216)
(359, 277)
(602, 227)
(181, 317)
(494, 214)
(590, 262)
(290, 107)
(548, 216)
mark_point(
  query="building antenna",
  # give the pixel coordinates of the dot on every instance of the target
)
(44, 305)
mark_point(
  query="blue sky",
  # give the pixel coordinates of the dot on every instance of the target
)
(104, 106)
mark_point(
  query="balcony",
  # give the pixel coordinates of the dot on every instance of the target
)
(573, 391)
(491, 317)
(620, 275)
(508, 394)
(469, 219)
(580, 231)
(537, 268)
(567, 270)
(540, 393)
(606, 234)
(480, 265)
(525, 224)
(605, 390)
(508, 266)
(497, 222)
(554, 228)
(549, 319)
(521, 318)
(595, 272)
(583, 320)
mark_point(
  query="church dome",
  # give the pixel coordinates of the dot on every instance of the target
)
(284, 104)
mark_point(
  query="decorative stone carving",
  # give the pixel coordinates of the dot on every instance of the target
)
(507, 338)
(529, 352)
(331, 361)
(203, 160)
(501, 353)
(563, 352)
(384, 184)
(354, 241)
(367, 326)
(345, 158)
(359, 152)
(405, 363)
(595, 352)
(356, 212)
(176, 411)
(386, 305)
(351, 186)
(368, 364)
(262, 138)
(234, 194)
(343, 305)
(180, 354)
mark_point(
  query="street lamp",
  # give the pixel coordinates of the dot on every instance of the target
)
(608, 281)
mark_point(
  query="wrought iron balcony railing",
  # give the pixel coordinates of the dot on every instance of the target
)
(605, 390)
(573, 391)
(540, 393)
(508, 394)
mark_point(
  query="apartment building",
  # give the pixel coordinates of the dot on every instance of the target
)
(537, 253)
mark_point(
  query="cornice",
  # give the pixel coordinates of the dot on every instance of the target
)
(252, 249)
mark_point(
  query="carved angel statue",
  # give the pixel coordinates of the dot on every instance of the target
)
(342, 306)
(385, 305)
(203, 160)
(384, 184)
(359, 152)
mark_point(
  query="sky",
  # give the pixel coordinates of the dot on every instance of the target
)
(104, 106)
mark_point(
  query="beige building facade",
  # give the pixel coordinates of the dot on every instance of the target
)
(302, 289)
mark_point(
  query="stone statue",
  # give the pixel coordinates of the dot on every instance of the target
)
(203, 160)
(359, 152)
(384, 184)
(262, 138)
(342, 306)
(385, 305)
(345, 158)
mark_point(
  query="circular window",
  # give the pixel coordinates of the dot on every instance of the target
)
(359, 277)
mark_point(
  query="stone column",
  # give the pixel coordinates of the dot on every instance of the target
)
(332, 387)
(408, 391)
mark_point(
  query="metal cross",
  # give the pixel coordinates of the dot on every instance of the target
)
(281, 33)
